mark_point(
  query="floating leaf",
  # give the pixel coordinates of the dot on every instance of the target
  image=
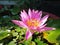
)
(53, 36)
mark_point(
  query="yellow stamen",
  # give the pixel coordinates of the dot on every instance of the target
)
(33, 23)
(45, 34)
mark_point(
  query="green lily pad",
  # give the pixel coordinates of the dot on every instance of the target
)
(53, 36)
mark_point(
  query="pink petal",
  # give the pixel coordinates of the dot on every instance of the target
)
(24, 15)
(29, 13)
(40, 14)
(44, 29)
(35, 11)
(47, 28)
(43, 20)
(19, 23)
(28, 34)
(36, 14)
(38, 29)
(43, 26)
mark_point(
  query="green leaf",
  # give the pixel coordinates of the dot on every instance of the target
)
(39, 42)
(18, 29)
(53, 36)
(20, 44)
(12, 43)
(32, 43)
(14, 33)
(3, 34)
(28, 42)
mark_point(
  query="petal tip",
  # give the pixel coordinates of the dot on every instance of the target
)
(54, 28)
(47, 16)
(12, 20)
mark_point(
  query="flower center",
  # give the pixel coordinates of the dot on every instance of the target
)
(33, 23)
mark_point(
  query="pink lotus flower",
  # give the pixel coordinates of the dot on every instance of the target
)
(33, 22)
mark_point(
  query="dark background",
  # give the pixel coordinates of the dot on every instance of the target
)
(51, 6)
